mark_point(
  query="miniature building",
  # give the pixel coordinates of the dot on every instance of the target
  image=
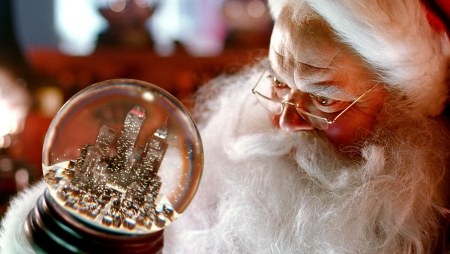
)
(105, 138)
(127, 181)
(129, 134)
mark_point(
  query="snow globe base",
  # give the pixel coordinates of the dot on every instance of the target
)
(50, 229)
(122, 159)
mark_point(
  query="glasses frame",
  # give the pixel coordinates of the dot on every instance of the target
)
(301, 111)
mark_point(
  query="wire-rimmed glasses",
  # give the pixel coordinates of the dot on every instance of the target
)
(277, 107)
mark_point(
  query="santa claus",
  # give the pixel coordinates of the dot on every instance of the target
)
(335, 143)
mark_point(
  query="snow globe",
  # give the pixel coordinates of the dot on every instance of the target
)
(122, 159)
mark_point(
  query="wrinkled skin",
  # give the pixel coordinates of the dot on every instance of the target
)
(308, 58)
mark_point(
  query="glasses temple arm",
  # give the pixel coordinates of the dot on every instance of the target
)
(351, 104)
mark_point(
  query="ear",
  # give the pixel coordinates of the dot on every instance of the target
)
(438, 14)
(444, 5)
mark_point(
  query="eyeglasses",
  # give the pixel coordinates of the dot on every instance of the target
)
(277, 107)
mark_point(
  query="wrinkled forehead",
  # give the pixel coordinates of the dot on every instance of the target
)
(306, 35)
(305, 50)
(412, 61)
(300, 13)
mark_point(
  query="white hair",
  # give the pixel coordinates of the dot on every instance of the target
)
(12, 235)
(264, 191)
(395, 39)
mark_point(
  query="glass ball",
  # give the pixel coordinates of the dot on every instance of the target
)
(123, 156)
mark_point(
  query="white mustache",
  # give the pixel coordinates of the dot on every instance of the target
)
(311, 151)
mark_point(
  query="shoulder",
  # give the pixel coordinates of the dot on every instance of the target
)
(12, 236)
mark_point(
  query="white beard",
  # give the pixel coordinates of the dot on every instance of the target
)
(264, 191)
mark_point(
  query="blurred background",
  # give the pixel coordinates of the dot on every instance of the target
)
(51, 49)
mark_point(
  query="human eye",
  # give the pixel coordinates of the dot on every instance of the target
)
(277, 83)
(279, 90)
(328, 105)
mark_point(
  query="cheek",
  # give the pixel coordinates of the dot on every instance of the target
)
(274, 119)
(356, 124)
(346, 133)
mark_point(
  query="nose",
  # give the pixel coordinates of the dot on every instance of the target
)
(290, 120)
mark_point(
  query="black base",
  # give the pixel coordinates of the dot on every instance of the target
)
(50, 229)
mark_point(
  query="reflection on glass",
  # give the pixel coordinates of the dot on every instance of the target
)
(120, 190)
(123, 156)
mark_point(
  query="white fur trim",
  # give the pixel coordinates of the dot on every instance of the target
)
(12, 235)
(396, 39)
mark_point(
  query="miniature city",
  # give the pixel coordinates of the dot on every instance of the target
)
(117, 190)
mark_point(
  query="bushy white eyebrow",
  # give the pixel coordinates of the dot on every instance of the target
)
(327, 89)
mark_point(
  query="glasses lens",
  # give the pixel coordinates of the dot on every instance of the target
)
(271, 105)
(318, 123)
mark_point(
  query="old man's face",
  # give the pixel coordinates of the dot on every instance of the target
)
(322, 76)
(268, 191)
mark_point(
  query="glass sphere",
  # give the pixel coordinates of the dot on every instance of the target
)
(124, 156)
